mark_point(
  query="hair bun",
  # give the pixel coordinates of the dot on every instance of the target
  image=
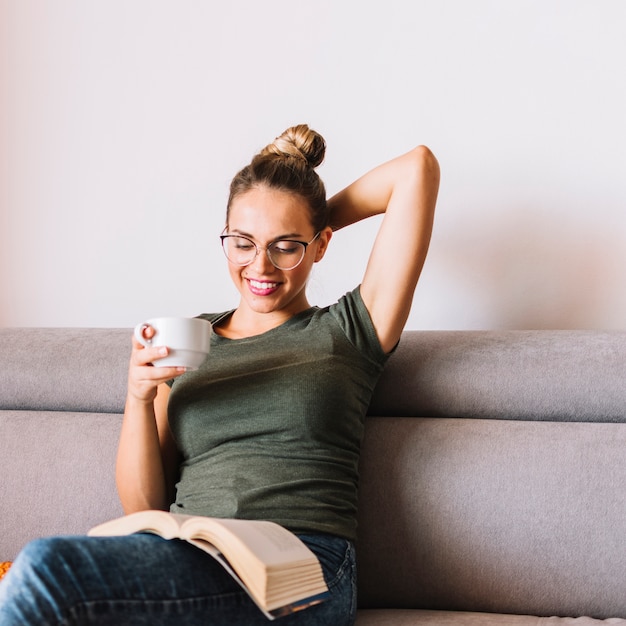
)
(299, 142)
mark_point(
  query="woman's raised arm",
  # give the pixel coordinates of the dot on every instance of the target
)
(405, 190)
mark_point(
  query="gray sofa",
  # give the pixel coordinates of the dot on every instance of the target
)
(493, 485)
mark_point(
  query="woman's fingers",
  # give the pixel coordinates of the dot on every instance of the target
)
(143, 376)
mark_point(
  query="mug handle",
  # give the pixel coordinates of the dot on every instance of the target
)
(139, 335)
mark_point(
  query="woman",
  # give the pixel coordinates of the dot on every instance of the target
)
(270, 426)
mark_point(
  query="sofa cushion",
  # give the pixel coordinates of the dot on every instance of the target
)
(58, 474)
(490, 515)
(528, 375)
(64, 369)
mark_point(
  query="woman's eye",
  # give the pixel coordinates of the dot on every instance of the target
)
(244, 245)
(285, 248)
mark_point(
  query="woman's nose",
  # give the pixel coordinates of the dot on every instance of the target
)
(262, 263)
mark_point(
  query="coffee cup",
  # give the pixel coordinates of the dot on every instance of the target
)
(187, 338)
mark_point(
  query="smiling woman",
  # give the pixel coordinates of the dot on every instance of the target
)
(270, 294)
(269, 427)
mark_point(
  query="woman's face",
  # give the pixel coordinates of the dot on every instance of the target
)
(265, 215)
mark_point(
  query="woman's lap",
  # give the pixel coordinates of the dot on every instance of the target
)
(143, 579)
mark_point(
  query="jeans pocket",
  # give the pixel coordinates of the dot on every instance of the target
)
(338, 559)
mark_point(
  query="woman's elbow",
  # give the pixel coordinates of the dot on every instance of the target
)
(425, 163)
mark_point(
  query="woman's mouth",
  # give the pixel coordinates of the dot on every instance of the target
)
(262, 287)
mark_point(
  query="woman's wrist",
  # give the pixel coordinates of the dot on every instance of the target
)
(139, 404)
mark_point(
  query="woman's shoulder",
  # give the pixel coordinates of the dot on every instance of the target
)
(351, 317)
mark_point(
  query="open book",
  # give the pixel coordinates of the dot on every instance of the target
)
(279, 572)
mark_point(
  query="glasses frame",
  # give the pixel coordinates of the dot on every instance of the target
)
(258, 249)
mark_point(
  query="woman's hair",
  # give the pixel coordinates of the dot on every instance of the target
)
(288, 164)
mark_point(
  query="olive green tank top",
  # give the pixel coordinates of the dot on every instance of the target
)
(270, 426)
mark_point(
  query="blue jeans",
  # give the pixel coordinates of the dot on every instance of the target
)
(143, 579)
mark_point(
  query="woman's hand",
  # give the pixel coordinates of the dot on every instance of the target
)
(143, 377)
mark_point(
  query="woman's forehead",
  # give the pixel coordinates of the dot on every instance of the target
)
(269, 213)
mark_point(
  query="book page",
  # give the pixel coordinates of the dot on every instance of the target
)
(157, 522)
(270, 543)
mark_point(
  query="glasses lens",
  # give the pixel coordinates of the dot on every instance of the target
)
(239, 250)
(285, 254)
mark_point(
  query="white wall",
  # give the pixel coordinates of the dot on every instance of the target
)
(123, 122)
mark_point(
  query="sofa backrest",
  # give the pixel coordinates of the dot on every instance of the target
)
(64, 369)
(530, 375)
(492, 473)
(62, 393)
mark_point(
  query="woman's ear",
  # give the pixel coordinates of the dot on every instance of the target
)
(322, 243)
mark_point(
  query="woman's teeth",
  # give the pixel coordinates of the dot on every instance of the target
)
(259, 285)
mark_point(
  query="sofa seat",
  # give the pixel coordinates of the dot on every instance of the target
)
(416, 617)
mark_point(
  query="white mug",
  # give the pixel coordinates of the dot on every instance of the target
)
(188, 340)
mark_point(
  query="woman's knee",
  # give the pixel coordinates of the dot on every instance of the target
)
(38, 551)
(44, 562)
(29, 592)
(32, 554)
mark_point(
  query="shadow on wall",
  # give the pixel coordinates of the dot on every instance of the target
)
(532, 270)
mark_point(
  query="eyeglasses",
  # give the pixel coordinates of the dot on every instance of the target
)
(284, 254)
